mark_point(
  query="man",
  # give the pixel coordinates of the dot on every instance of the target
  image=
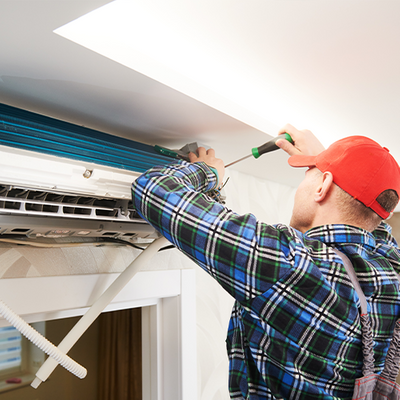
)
(295, 327)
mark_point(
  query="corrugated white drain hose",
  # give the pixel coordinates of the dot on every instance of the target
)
(40, 341)
(95, 310)
(58, 354)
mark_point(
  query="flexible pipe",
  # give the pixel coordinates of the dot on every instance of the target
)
(100, 304)
(40, 341)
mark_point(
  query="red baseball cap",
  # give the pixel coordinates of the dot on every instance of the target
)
(360, 166)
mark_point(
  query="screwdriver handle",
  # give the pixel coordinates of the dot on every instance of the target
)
(270, 146)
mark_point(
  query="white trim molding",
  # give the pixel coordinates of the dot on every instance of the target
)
(168, 299)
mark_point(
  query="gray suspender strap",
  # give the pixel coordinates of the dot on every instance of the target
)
(392, 362)
(353, 277)
(366, 331)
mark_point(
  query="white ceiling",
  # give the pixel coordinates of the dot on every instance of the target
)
(331, 66)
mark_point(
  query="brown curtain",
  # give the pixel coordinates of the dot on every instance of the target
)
(120, 355)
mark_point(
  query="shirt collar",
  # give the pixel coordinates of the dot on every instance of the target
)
(338, 233)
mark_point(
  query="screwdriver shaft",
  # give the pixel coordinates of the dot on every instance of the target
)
(265, 148)
(241, 159)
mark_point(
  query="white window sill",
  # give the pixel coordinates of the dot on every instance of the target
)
(26, 380)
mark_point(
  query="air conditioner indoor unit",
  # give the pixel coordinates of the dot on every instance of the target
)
(63, 181)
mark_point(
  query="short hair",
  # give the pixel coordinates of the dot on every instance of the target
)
(357, 213)
(388, 199)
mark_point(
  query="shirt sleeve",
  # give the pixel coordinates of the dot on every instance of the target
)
(245, 256)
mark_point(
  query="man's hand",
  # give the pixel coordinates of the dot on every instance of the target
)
(208, 156)
(305, 143)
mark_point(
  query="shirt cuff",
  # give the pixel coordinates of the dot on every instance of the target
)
(216, 174)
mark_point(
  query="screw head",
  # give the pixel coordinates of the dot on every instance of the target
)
(87, 174)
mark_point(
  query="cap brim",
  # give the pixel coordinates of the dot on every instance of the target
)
(302, 161)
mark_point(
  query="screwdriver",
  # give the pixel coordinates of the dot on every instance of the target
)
(265, 148)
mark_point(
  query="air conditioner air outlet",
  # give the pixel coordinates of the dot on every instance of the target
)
(19, 200)
(45, 214)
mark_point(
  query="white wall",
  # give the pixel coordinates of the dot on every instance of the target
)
(272, 203)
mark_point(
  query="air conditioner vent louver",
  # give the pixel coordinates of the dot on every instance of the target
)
(35, 202)
(40, 213)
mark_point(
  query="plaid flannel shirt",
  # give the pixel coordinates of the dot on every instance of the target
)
(295, 329)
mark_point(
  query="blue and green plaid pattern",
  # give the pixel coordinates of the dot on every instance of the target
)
(295, 328)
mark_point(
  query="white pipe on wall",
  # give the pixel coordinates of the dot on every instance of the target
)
(40, 341)
(95, 310)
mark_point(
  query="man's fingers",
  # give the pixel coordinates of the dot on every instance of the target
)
(201, 151)
(193, 157)
(211, 152)
(202, 155)
(285, 145)
(305, 142)
(290, 129)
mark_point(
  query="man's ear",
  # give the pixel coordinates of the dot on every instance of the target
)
(324, 187)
